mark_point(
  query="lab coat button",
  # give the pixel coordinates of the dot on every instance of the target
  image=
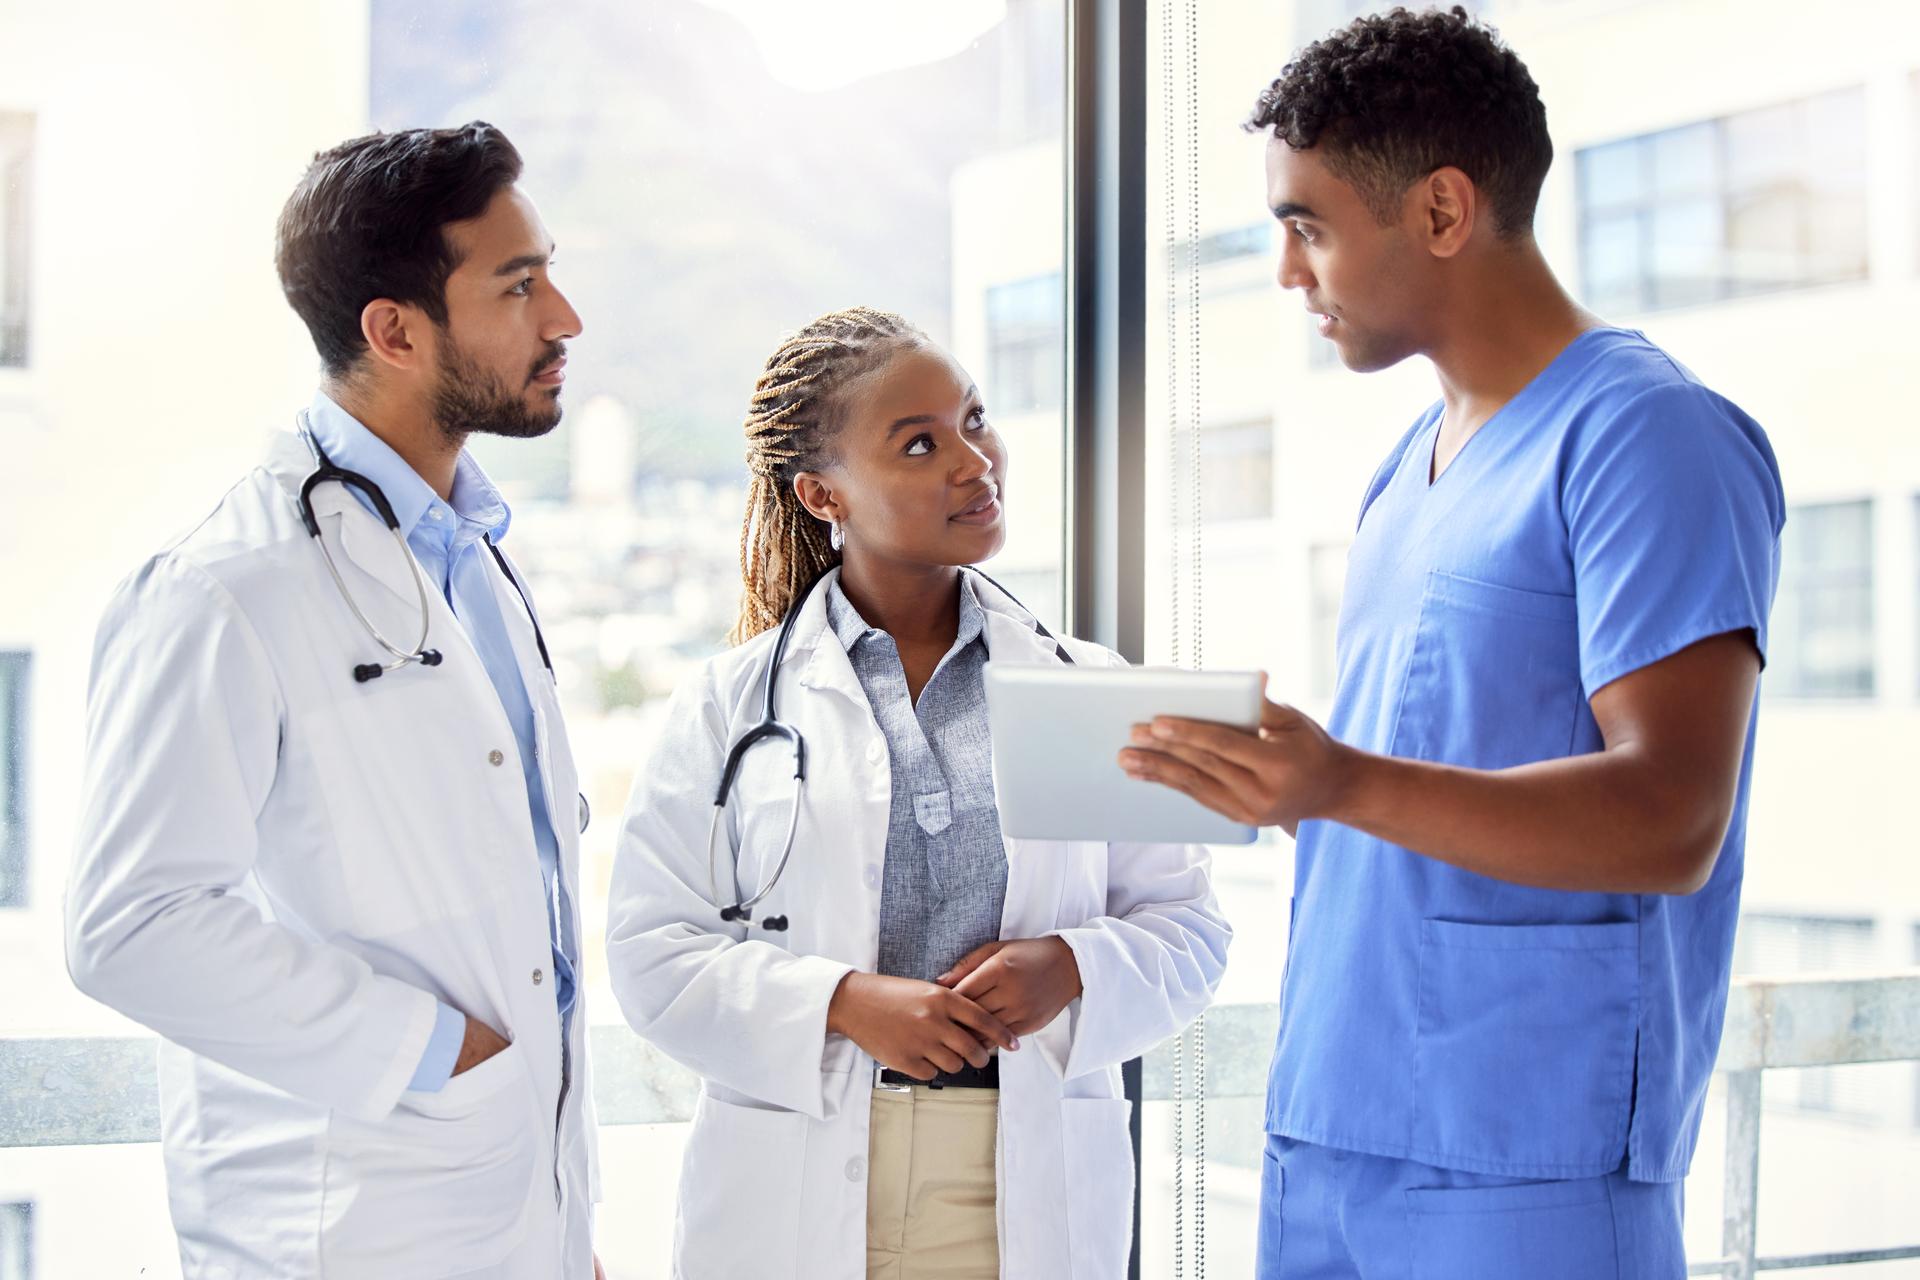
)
(496, 758)
(538, 977)
(873, 877)
(856, 1169)
(873, 753)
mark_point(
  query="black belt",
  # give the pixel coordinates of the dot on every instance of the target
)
(968, 1077)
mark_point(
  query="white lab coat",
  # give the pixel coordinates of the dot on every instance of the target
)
(774, 1179)
(280, 871)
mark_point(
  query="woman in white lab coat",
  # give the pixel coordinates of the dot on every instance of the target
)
(919, 942)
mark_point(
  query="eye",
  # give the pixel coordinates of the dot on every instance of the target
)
(1305, 234)
(977, 420)
(523, 289)
(913, 446)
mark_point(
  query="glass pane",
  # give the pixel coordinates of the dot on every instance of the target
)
(1709, 200)
(1613, 266)
(1685, 161)
(716, 174)
(1613, 175)
(1687, 240)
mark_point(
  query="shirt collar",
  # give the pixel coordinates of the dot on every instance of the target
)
(351, 445)
(850, 628)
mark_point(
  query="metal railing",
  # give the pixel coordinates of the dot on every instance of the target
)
(82, 1090)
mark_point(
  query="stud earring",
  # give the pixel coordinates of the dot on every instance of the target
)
(836, 537)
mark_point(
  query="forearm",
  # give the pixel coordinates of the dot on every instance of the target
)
(1609, 822)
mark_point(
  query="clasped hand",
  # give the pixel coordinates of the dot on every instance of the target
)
(995, 994)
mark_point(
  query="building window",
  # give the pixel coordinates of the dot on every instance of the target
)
(1236, 471)
(1823, 616)
(16, 1242)
(1777, 946)
(13, 779)
(1326, 581)
(1750, 203)
(1252, 240)
(16, 208)
(1025, 331)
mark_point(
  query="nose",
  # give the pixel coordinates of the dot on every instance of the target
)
(564, 322)
(975, 463)
(1293, 272)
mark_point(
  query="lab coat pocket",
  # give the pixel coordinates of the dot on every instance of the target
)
(1475, 638)
(1099, 1190)
(1523, 1062)
(1562, 1229)
(442, 1185)
(740, 1183)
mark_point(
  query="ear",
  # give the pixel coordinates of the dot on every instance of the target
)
(394, 333)
(818, 497)
(1449, 207)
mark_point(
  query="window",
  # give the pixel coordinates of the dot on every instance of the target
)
(16, 1242)
(1777, 946)
(1025, 329)
(1236, 471)
(1239, 242)
(1823, 617)
(1326, 582)
(13, 779)
(16, 241)
(1748, 203)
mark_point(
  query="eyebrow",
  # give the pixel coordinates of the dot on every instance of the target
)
(1292, 210)
(926, 419)
(525, 260)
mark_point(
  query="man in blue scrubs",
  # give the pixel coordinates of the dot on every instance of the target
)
(1520, 838)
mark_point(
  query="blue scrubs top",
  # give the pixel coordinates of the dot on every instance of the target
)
(1612, 513)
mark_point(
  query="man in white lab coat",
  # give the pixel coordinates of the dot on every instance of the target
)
(303, 859)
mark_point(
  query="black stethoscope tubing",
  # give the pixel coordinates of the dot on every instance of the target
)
(771, 726)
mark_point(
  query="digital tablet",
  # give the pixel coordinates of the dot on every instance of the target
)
(1057, 736)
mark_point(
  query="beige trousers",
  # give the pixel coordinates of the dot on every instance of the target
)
(931, 1187)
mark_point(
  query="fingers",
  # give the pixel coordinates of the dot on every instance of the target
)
(990, 1027)
(944, 1058)
(980, 981)
(1157, 766)
(962, 1042)
(968, 963)
(1236, 777)
(1171, 733)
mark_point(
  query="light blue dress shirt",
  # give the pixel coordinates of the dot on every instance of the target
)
(448, 540)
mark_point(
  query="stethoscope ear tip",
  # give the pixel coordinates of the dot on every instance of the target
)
(777, 924)
(368, 671)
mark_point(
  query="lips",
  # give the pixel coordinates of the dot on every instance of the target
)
(552, 374)
(981, 510)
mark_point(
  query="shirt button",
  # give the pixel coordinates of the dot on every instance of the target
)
(433, 513)
(873, 877)
(496, 758)
(856, 1169)
(538, 977)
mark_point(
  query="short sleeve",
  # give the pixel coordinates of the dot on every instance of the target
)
(1674, 509)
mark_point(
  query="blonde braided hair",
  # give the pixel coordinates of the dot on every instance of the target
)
(795, 406)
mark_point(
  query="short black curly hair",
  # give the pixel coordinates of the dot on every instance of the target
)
(1391, 97)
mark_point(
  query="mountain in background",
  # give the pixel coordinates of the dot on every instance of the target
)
(701, 208)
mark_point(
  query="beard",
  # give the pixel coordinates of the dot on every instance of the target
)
(471, 398)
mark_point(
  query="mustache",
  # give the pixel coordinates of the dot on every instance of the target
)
(555, 352)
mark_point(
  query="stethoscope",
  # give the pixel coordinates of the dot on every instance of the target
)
(325, 471)
(771, 726)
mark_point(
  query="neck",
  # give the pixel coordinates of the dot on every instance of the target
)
(408, 428)
(916, 604)
(1501, 326)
